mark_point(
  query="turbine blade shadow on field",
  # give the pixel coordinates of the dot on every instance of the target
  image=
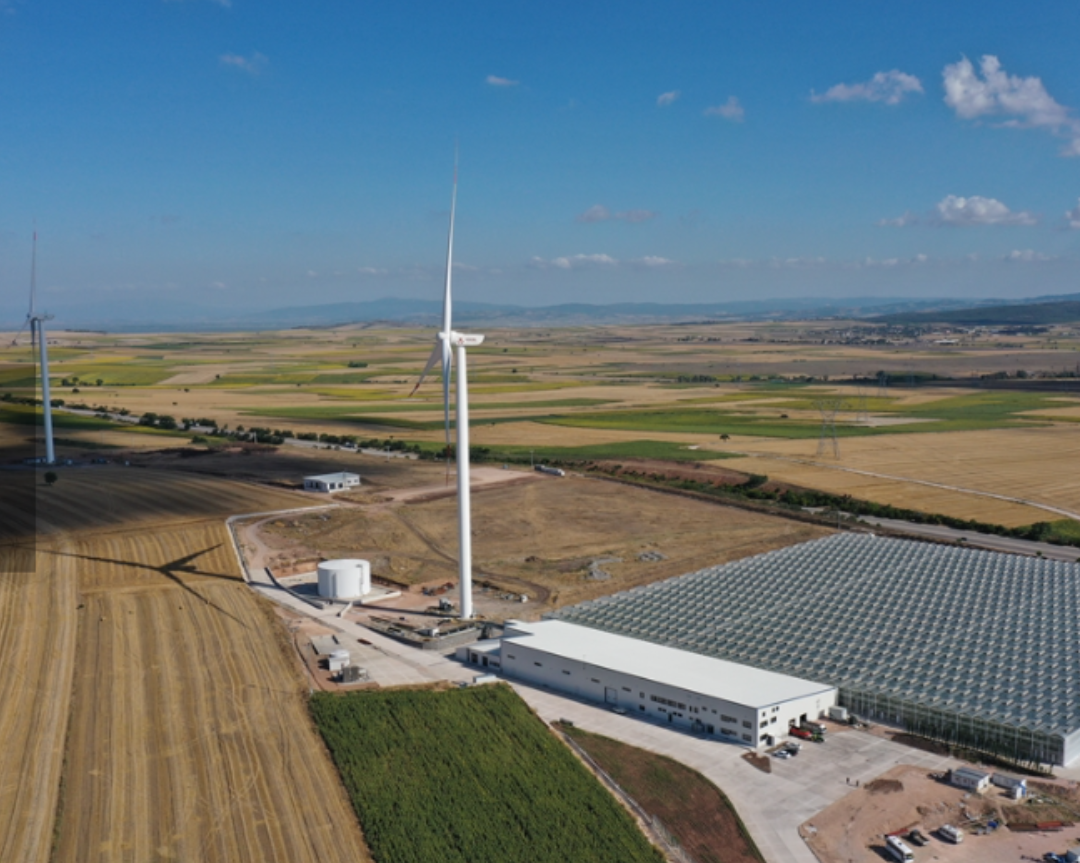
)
(170, 570)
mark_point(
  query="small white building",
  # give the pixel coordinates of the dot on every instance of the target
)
(970, 778)
(331, 482)
(729, 701)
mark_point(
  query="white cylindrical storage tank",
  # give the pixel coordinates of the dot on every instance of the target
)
(344, 579)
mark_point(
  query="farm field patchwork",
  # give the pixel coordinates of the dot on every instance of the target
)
(469, 775)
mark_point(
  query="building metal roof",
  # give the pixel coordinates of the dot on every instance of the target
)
(334, 477)
(692, 672)
(973, 632)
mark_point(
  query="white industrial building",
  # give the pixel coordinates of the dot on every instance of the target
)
(732, 702)
(331, 482)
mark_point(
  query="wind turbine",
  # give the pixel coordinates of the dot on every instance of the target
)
(446, 342)
(37, 333)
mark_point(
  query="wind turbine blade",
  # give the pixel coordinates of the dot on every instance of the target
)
(435, 354)
(447, 311)
(15, 341)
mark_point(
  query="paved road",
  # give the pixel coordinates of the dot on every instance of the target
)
(980, 540)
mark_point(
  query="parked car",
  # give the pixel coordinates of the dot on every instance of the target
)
(800, 732)
(917, 837)
(781, 753)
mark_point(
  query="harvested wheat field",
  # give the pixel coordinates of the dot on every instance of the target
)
(187, 733)
(37, 658)
(190, 738)
(1030, 465)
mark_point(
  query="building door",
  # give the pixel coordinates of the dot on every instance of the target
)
(611, 696)
(484, 661)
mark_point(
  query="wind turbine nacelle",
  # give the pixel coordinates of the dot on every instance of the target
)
(465, 340)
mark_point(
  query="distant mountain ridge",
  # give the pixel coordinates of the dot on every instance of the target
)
(1049, 311)
(413, 312)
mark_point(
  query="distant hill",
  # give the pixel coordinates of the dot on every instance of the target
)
(186, 317)
(993, 316)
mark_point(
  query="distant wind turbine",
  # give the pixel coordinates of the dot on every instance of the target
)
(447, 339)
(37, 333)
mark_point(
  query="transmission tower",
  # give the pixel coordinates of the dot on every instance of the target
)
(882, 385)
(862, 413)
(828, 408)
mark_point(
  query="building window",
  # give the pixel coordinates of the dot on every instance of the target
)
(746, 723)
(746, 737)
(764, 723)
(564, 671)
(641, 694)
(510, 656)
(773, 719)
(538, 664)
(725, 718)
(730, 732)
(764, 737)
(626, 689)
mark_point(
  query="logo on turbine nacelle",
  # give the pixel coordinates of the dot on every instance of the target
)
(467, 340)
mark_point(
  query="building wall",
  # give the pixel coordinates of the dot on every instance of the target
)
(692, 711)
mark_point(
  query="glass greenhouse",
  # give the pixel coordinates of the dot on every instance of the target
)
(970, 647)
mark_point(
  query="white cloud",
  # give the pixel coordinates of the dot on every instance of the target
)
(601, 260)
(1073, 216)
(730, 110)
(665, 99)
(976, 210)
(253, 65)
(597, 213)
(888, 87)
(1024, 102)
(371, 271)
(600, 213)
(465, 268)
(496, 81)
(903, 221)
(920, 259)
(1026, 256)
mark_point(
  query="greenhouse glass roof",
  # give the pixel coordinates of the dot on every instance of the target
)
(977, 633)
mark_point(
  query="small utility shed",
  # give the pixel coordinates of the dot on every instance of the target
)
(970, 778)
(331, 482)
(711, 696)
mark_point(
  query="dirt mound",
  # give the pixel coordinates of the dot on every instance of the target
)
(884, 786)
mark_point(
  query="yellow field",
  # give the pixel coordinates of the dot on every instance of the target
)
(1033, 465)
(187, 733)
(38, 622)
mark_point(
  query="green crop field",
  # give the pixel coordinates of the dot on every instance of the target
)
(469, 776)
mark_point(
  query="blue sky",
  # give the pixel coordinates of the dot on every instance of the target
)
(189, 155)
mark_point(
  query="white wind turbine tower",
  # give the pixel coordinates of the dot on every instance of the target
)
(37, 333)
(448, 339)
